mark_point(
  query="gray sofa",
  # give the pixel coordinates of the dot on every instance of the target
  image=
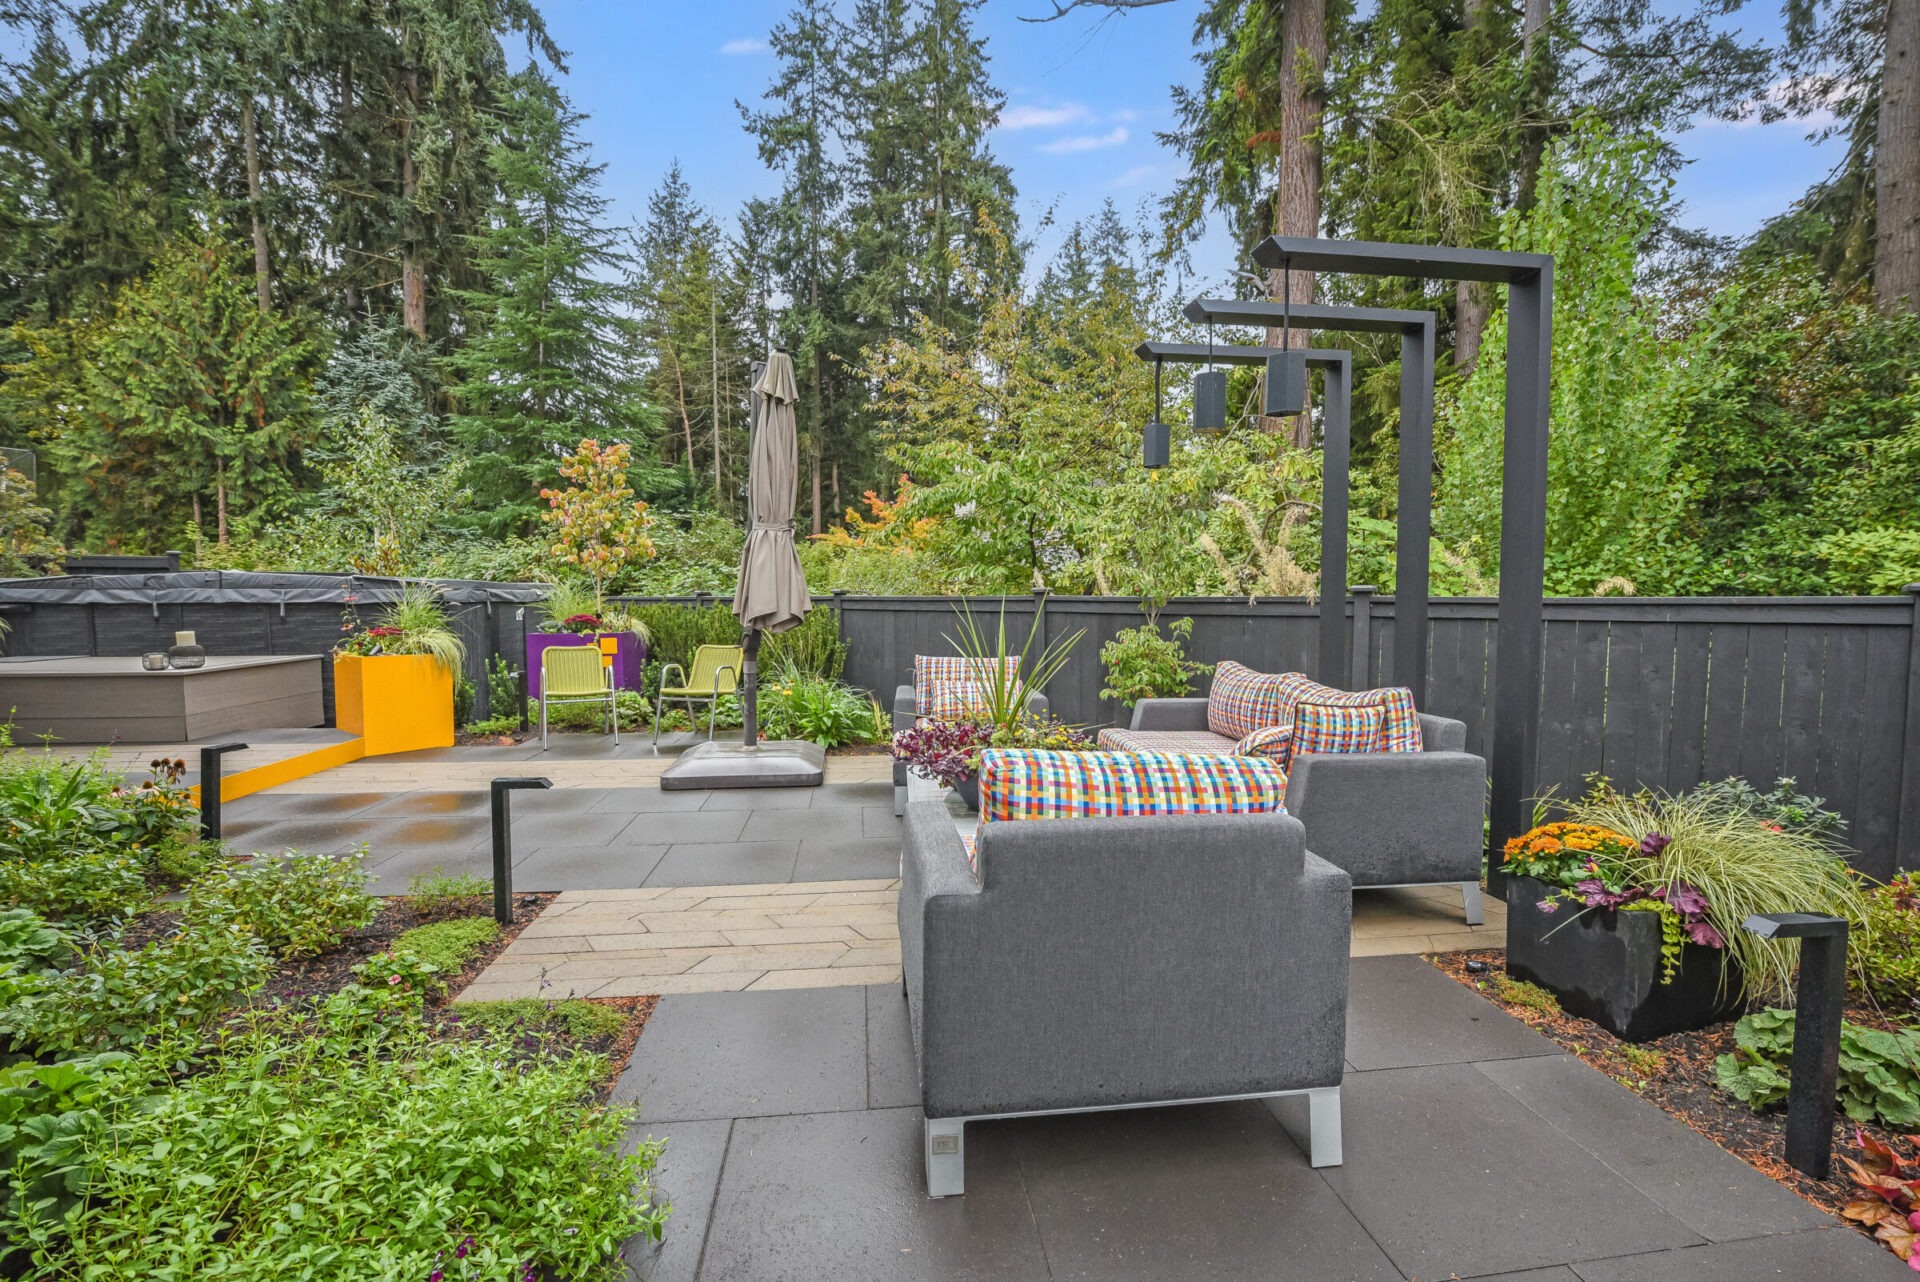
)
(1388, 818)
(1119, 963)
(906, 711)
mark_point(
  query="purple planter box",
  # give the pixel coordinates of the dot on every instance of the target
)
(629, 663)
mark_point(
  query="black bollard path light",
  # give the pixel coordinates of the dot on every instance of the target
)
(1818, 999)
(210, 788)
(503, 845)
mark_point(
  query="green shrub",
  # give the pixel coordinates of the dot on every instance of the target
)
(1877, 1068)
(1889, 948)
(464, 696)
(795, 704)
(170, 990)
(28, 943)
(298, 905)
(316, 1148)
(398, 977)
(1785, 807)
(678, 630)
(575, 1017)
(436, 894)
(84, 886)
(50, 1114)
(448, 946)
(1142, 664)
(503, 688)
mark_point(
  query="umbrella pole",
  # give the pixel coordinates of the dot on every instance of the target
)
(750, 684)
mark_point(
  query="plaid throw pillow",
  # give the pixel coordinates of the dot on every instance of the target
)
(955, 701)
(932, 671)
(1242, 700)
(1329, 727)
(1029, 783)
(1274, 743)
(1400, 723)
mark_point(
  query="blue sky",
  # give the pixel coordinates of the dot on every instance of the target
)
(1085, 98)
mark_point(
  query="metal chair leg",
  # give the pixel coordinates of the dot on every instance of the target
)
(543, 725)
(613, 715)
(1470, 900)
(659, 704)
(946, 1156)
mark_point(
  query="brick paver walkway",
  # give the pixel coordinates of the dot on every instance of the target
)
(702, 939)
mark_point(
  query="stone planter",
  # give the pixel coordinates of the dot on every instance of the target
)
(629, 661)
(969, 790)
(396, 702)
(1604, 965)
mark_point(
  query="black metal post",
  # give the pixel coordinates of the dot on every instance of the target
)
(750, 688)
(1412, 556)
(210, 788)
(1336, 434)
(1819, 997)
(520, 683)
(503, 844)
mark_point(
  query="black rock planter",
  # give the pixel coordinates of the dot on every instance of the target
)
(1604, 965)
(969, 790)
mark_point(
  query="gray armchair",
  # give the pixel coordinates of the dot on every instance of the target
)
(1388, 818)
(905, 712)
(1118, 963)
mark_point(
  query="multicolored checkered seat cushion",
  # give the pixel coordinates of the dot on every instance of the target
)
(1329, 727)
(956, 701)
(931, 672)
(1117, 739)
(1027, 783)
(1242, 700)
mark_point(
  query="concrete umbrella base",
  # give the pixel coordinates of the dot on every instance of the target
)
(785, 763)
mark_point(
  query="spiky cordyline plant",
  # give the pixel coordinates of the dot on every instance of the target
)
(1743, 866)
(1003, 694)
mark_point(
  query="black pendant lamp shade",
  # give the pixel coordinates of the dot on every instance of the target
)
(1210, 401)
(1156, 444)
(1286, 384)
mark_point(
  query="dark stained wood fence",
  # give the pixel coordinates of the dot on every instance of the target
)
(1661, 693)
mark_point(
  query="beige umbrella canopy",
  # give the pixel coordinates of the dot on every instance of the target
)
(772, 594)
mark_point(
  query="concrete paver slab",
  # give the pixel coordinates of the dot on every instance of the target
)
(1402, 1012)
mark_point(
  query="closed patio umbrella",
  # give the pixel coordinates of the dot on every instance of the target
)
(772, 594)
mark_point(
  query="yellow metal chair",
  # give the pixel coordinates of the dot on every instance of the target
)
(716, 671)
(576, 674)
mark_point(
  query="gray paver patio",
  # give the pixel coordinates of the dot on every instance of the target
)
(1486, 1152)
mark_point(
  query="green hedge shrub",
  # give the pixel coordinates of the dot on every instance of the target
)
(298, 905)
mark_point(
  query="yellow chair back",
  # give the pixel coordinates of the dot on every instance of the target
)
(572, 670)
(711, 662)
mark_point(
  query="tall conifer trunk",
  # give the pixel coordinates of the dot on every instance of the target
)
(1896, 180)
(250, 139)
(1296, 206)
(413, 272)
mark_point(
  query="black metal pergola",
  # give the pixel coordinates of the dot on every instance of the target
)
(1415, 329)
(1523, 491)
(1336, 435)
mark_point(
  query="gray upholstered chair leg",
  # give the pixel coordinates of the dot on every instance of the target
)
(946, 1156)
(899, 800)
(1320, 1134)
(1470, 899)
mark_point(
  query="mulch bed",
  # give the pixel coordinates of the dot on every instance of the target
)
(1676, 1072)
(305, 978)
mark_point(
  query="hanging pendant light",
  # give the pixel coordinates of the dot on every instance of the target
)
(1286, 393)
(1210, 394)
(1156, 445)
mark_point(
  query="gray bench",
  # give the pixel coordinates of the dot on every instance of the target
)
(1122, 963)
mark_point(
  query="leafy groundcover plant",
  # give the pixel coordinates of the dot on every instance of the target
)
(1877, 1068)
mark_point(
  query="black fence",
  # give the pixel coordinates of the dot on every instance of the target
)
(1660, 692)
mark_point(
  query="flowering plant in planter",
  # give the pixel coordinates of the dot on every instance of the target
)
(947, 752)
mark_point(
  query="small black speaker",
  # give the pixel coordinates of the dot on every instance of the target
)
(1210, 401)
(1158, 443)
(1286, 384)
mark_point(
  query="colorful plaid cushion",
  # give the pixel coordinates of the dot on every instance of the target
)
(1028, 783)
(1273, 742)
(1242, 700)
(1115, 739)
(1329, 727)
(1400, 723)
(971, 841)
(956, 701)
(930, 671)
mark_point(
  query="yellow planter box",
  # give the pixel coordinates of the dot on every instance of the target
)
(395, 702)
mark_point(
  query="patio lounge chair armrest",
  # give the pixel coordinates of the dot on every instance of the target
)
(1038, 704)
(934, 864)
(906, 708)
(1442, 734)
(1170, 714)
(1391, 818)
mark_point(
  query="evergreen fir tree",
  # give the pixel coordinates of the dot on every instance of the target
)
(546, 363)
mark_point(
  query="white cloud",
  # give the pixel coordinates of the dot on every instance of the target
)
(1027, 116)
(1134, 176)
(1115, 137)
(746, 45)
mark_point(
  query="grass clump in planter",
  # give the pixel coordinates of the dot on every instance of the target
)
(447, 946)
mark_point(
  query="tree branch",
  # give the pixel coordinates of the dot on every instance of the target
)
(1062, 10)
